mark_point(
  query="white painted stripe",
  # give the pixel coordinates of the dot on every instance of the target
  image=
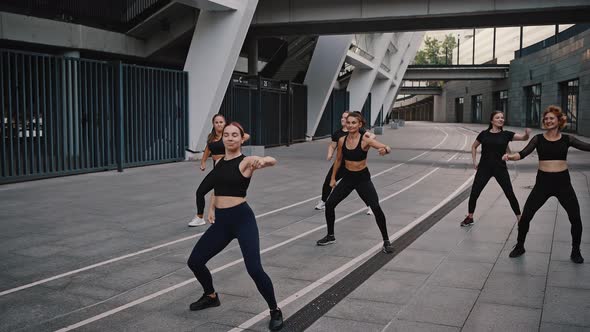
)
(352, 262)
(462, 147)
(98, 264)
(89, 267)
(186, 282)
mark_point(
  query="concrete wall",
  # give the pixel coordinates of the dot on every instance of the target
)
(468, 89)
(565, 61)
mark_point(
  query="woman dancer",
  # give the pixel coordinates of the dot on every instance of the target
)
(216, 150)
(494, 142)
(353, 149)
(553, 179)
(231, 217)
(326, 189)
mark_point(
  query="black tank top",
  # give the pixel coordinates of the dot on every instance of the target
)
(216, 147)
(229, 181)
(358, 154)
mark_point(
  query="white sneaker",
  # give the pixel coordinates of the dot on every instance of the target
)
(369, 212)
(196, 222)
(321, 205)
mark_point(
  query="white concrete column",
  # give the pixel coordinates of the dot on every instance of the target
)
(440, 108)
(211, 59)
(378, 93)
(408, 55)
(362, 80)
(326, 61)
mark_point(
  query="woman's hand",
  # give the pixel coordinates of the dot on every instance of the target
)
(475, 166)
(506, 157)
(258, 163)
(211, 216)
(332, 183)
(203, 167)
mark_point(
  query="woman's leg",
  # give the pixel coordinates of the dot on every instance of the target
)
(503, 179)
(568, 199)
(340, 192)
(482, 176)
(205, 187)
(538, 196)
(210, 244)
(368, 194)
(247, 235)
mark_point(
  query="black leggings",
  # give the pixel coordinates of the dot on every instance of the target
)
(361, 182)
(556, 184)
(204, 188)
(326, 189)
(231, 223)
(482, 176)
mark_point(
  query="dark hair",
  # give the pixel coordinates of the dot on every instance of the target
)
(358, 116)
(237, 125)
(211, 135)
(492, 118)
(556, 110)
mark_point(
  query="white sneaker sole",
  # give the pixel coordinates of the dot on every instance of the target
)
(196, 223)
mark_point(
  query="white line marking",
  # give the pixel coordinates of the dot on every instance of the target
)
(462, 147)
(191, 280)
(352, 262)
(89, 267)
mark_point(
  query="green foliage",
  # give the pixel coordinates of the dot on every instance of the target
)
(436, 52)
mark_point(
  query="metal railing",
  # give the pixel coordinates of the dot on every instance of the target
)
(65, 115)
(117, 15)
(361, 52)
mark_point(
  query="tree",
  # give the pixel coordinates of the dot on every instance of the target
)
(436, 52)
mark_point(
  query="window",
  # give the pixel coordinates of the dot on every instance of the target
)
(501, 101)
(569, 92)
(533, 105)
(476, 108)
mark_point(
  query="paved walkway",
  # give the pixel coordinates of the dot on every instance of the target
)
(107, 251)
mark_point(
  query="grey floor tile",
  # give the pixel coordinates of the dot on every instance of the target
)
(501, 318)
(459, 274)
(404, 326)
(440, 305)
(514, 289)
(330, 324)
(364, 311)
(567, 306)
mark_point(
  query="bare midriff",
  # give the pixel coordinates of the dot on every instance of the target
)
(355, 166)
(552, 166)
(224, 202)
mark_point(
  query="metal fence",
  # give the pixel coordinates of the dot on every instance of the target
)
(65, 115)
(272, 112)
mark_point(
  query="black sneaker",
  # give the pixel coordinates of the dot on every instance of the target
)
(326, 240)
(468, 221)
(576, 256)
(205, 302)
(276, 320)
(518, 250)
(387, 247)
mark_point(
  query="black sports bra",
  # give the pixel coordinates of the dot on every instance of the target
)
(357, 154)
(216, 147)
(229, 181)
(553, 150)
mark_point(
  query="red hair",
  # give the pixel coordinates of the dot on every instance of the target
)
(556, 110)
(237, 125)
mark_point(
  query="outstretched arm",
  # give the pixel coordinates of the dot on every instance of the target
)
(522, 137)
(580, 145)
(524, 152)
(378, 145)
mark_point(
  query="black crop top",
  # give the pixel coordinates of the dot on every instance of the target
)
(216, 147)
(553, 150)
(358, 154)
(228, 179)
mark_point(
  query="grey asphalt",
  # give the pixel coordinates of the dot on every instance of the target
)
(450, 278)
